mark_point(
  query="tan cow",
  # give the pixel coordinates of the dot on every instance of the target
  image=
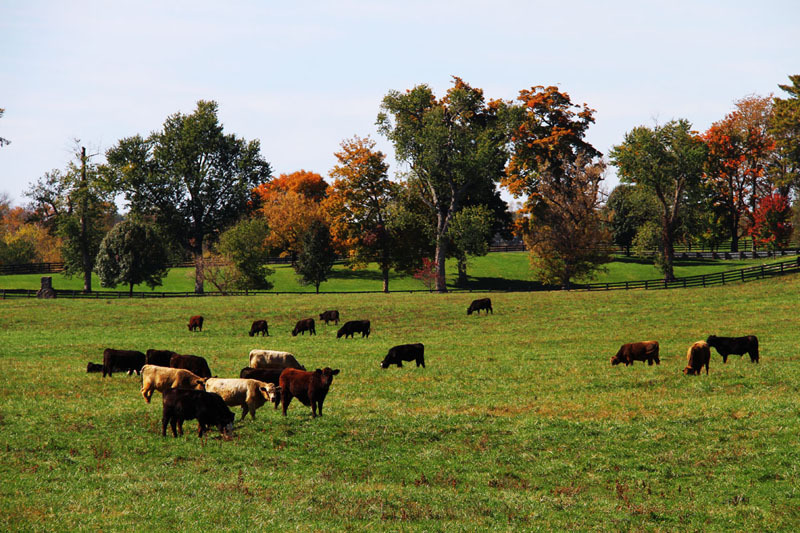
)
(273, 359)
(249, 393)
(162, 379)
(698, 356)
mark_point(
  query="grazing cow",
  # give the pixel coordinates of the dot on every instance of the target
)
(352, 327)
(273, 359)
(207, 407)
(698, 356)
(330, 316)
(307, 324)
(267, 375)
(193, 363)
(249, 393)
(124, 360)
(259, 326)
(477, 305)
(161, 379)
(726, 346)
(308, 387)
(405, 352)
(159, 357)
(637, 351)
(195, 323)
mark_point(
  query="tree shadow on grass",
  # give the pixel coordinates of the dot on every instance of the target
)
(499, 284)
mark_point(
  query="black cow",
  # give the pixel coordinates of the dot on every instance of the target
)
(159, 357)
(185, 404)
(405, 352)
(726, 346)
(129, 361)
(307, 324)
(193, 363)
(94, 367)
(352, 327)
(330, 316)
(259, 326)
(477, 305)
(267, 375)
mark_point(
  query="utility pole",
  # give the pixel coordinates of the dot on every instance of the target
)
(84, 238)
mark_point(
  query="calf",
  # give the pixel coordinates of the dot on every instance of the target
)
(195, 323)
(307, 324)
(259, 326)
(352, 327)
(405, 352)
(125, 360)
(161, 379)
(185, 404)
(193, 363)
(273, 359)
(308, 387)
(158, 357)
(267, 375)
(330, 316)
(477, 305)
(726, 346)
(249, 393)
(637, 351)
(698, 356)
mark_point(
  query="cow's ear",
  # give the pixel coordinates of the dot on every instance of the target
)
(318, 372)
(333, 373)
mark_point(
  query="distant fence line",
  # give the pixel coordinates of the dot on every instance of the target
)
(702, 280)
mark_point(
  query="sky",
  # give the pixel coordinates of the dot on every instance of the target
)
(303, 76)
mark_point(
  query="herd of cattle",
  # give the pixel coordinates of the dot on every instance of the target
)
(190, 392)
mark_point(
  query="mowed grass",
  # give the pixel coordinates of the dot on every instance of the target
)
(496, 271)
(517, 423)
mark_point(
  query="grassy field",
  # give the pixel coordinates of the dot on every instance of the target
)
(518, 422)
(497, 271)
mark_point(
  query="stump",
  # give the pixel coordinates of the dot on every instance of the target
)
(47, 290)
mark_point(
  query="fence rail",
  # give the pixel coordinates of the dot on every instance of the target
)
(701, 280)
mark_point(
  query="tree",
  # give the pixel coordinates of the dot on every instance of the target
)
(2, 140)
(133, 252)
(785, 128)
(245, 249)
(309, 185)
(316, 258)
(359, 206)
(772, 226)
(668, 160)
(195, 179)
(627, 209)
(289, 216)
(77, 206)
(469, 234)
(451, 144)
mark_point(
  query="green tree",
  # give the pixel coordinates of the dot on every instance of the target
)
(316, 258)
(245, 247)
(195, 179)
(668, 160)
(785, 128)
(133, 252)
(451, 145)
(627, 209)
(469, 234)
(2, 140)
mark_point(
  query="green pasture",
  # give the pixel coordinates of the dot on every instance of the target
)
(496, 271)
(518, 423)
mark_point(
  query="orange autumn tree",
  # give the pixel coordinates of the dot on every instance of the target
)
(291, 203)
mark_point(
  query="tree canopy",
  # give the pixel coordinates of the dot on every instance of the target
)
(132, 252)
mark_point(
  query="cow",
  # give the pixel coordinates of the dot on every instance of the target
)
(307, 324)
(352, 327)
(637, 351)
(310, 388)
(477, 305)
(193, 363)
(273, 359)
(195, 323)
(186, 404)
(124, 360)
(259, 326)
(249, 393)
(405, 352)
(698, 356)
(96, 367)
(267, 375)
(726, 346)
(161, 379)
(158, 357)
(330, 316)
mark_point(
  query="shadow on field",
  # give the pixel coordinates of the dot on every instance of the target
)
(632, 260)
(499, 284)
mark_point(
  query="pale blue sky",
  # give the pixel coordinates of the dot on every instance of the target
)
(302, 76)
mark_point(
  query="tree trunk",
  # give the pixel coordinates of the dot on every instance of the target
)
(385, 272)
(199, 269)
(668, 249)
(462, 271)
(130, 292)
(441, 253)
(734, 234)
(86, 260)
(316, 285)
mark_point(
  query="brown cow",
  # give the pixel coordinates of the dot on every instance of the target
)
(330, 316)
(259, 326)
(307, 324)
(159, 357)
(207, 407)
(637, 351)
(308, 387)
(698, 356)
(193, 363)
(195, 323)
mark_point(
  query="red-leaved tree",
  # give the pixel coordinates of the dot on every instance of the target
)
(772, 225)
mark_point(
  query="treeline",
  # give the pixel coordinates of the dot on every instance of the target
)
(194, 191)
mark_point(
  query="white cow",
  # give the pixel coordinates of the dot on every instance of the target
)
(249, 393)
(273, 359)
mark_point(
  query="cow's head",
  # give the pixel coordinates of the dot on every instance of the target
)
(711, 340)
(689, 371)
(199, 384)
(271, 392)
(615, 360)
(469, 310)
(386, 362)
(325, 376)
(252, 333)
